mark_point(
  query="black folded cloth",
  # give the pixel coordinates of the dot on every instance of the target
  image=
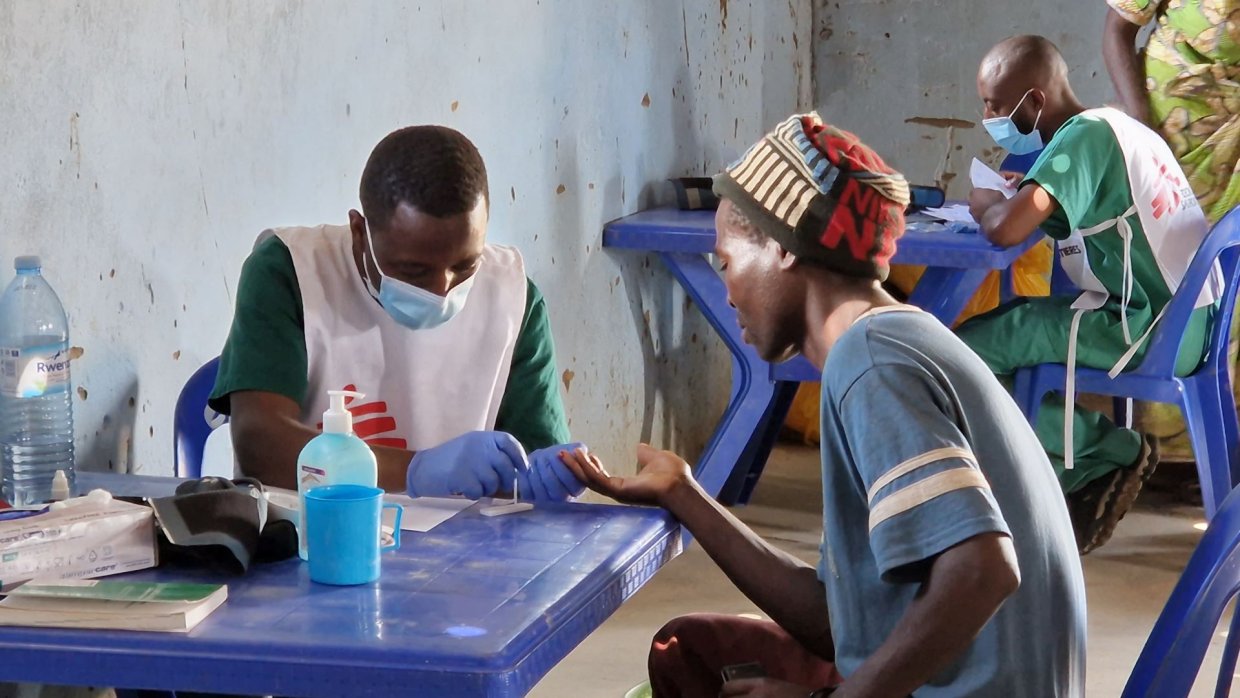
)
(222, 525)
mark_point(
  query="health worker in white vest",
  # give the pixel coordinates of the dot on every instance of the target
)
(407, 304)
(1111, 194)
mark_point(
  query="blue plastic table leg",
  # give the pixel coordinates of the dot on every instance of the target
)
(1007, 286)
(752, 389)
(944, 292)
(740, 485)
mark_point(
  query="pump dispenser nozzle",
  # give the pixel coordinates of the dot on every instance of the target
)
(337, 419)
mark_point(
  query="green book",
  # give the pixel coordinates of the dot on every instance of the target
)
(145, 592)
(112, 605)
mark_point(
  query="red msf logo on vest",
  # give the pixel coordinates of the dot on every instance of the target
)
(371, 421)
(1169, 194)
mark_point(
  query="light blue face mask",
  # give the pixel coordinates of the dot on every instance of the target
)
(1005, 133)
(413, 307)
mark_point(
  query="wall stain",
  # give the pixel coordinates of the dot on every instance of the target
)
(75, 142)
(568, 379)
(684, 19)
(940, 122)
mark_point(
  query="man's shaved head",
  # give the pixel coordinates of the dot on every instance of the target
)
(1024, 62)
(1026, 78)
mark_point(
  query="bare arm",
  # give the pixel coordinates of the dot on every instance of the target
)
(785, 588)
(267, 438)
(1009, 222)
(1119, 52)
(965, 586)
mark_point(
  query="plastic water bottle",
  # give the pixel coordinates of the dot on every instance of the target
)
(36, 408)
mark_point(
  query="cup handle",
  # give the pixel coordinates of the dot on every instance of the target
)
(396, 529)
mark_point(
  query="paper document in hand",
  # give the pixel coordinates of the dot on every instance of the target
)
(985, 178)
(952, 213)
(424, 513)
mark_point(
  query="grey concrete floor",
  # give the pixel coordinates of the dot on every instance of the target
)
(1127, 582)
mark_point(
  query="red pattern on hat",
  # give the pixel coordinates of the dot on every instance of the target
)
(869, 221)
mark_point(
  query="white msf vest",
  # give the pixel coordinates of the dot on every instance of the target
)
(422, 387)
(1173, 223)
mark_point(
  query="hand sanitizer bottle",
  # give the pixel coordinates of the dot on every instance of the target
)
(335, 457)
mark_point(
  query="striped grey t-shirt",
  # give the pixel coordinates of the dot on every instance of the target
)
(922, 449)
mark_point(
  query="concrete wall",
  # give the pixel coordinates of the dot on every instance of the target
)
(147, 143)
(902, 74)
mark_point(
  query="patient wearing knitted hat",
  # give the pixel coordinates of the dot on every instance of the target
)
(822, 194)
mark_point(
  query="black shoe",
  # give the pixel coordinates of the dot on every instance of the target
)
(1096, 508)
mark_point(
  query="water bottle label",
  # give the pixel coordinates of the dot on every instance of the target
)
(34, 371)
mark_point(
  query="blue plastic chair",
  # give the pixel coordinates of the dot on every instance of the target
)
(1172, 656)
(193, 421)
(1205, 397)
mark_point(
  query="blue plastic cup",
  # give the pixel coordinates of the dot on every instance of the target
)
(342, 533)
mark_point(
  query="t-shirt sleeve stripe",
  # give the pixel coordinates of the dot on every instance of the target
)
(908, 466)
(923, 491)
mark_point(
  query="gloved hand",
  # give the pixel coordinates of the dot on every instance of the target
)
(475, 464)
(548, 479)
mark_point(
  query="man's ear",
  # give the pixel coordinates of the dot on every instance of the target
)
(1037, 100)
(357, 225)
(787, 260)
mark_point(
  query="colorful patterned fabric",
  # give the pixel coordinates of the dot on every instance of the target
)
(1192, 69)
(823, 194)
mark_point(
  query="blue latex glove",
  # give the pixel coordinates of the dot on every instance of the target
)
(475, 464)
(548, 479)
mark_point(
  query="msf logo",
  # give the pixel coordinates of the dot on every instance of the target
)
(1169, 195)
(371, 422)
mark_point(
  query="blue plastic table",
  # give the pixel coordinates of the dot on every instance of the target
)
(476, 607)
(957, 261)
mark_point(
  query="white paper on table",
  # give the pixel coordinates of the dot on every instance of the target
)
(985, 178)
(952, 213)
(424, 513)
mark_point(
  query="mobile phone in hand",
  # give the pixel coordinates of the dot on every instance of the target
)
(751, 670)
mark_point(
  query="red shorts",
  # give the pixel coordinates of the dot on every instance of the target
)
(688, 654)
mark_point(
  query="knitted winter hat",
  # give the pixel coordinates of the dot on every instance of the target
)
(822, 194)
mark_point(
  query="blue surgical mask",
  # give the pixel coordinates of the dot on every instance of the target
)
(1005, 133)
(413, 307)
